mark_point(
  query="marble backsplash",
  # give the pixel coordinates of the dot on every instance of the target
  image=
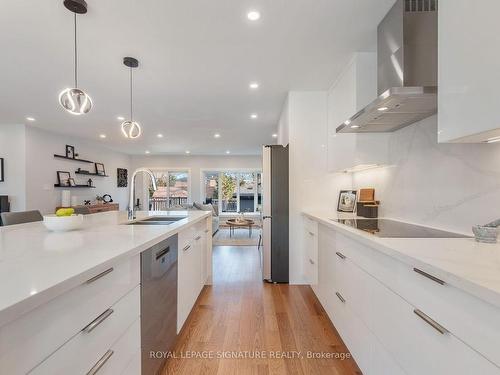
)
(449, 186)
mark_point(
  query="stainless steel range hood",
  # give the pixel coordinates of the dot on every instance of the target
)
(407, 70)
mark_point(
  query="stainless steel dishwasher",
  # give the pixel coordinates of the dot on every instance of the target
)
(158, 303)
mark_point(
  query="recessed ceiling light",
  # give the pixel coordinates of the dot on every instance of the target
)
(228, 152)
(354, 126)
(188, 152)
(382, 109)
(275, 135)
(254, 115)
(30, 118)
(253, 15)
(120, 118)
(147, 152)
(216, 135)
(254, 85)
(159, 135)
(102, 136)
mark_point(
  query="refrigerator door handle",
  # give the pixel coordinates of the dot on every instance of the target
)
(267, 217)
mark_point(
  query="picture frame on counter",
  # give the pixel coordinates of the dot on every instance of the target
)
(63, 178)
(99, 169)
(71, 181)
(2, 178)
(70, 152)
(347, 201)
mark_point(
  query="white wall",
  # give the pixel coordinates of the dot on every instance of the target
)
(195, 165)
(12, 150)
(449, 186)
(41, 168)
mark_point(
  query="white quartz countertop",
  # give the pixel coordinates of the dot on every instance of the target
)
(37, 265)
(461, 262)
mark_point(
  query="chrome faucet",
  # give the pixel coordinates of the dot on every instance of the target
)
(131, 214)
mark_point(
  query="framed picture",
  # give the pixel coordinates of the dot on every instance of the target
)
(121, 177)
(1, 170)
(99, 169)
(70, 151)
(71, 181)
(63, 178)
(347, 201)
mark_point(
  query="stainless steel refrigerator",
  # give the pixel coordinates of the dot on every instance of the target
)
(274, 251)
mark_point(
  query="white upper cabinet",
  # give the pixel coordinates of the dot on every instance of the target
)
(469, 74)
(353, 90)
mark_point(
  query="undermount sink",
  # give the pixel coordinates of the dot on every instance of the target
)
(161, 220)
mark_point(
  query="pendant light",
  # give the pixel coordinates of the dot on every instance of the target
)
(75, 100)
(130, 128)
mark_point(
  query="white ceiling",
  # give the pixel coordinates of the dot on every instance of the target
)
(197, 58)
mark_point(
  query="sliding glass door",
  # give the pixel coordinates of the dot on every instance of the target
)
(236, 191)
(172, 190)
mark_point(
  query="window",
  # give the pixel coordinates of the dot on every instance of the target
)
(172, 190)
(236, 191)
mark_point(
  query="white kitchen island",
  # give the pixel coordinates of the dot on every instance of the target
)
(72, 300)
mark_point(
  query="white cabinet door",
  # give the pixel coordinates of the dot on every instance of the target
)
(468, 74)
(185, 282)
(355, 88)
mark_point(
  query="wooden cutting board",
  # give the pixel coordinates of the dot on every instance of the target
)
(366, 195)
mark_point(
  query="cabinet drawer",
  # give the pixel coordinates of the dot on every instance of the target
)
(126, 357)
(84, 350)
(27, 341)
(474, 321)
(134, 366)
(310, 225)
(185, 237)
(416, 344)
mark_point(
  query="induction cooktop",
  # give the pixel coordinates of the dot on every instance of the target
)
(386, 228)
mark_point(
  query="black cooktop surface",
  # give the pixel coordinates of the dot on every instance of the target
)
(386, 228)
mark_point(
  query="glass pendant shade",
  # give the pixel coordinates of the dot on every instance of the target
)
(75, 101)
(131, 129)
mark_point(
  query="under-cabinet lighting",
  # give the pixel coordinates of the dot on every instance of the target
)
(493, 140)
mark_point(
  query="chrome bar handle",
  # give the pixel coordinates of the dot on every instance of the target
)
(206, 231)
(198, 238)
(311, 261)
(101, 318)
(95, 369)
(186, 248)
(438, 327)
(311, 233)
(340, 255)
(342, 299)
(429, 276)
(97, 277)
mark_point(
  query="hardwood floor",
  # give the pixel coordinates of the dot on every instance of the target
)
(242, 316)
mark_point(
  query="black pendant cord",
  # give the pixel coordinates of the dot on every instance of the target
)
(76, 58)
(131, 98)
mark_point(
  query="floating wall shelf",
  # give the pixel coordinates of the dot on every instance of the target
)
(91, 174)
(74, 187)
(72, 159)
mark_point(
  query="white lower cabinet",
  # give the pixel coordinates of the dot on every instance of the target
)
(192, 269)
(100, 343)
(385, 333)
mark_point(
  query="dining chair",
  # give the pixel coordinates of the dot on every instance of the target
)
(12, 218)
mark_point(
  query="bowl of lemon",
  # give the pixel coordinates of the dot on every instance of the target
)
(63, 220)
